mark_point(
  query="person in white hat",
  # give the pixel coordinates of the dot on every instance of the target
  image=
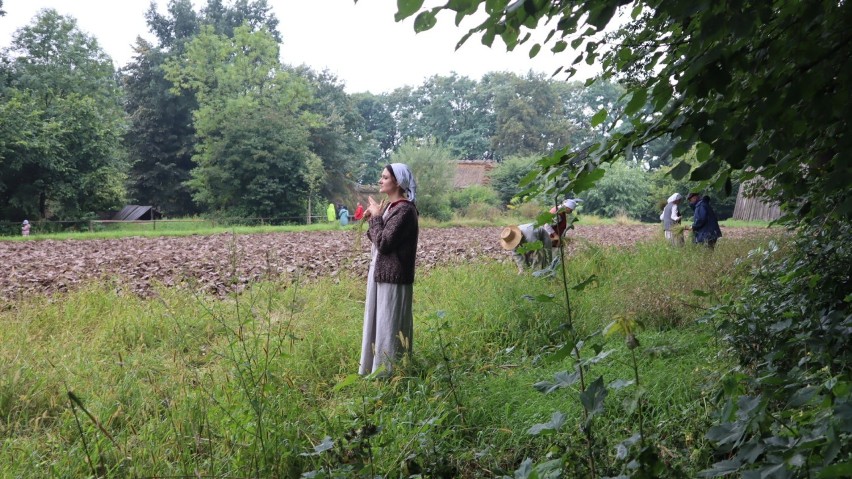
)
(25, 228)
(512, 237)
(671, 218)
(557, 229)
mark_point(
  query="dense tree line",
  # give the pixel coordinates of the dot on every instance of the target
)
(206, 119)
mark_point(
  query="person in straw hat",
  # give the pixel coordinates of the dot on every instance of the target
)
(513, 237)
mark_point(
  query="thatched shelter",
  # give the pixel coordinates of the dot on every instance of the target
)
(472, 172)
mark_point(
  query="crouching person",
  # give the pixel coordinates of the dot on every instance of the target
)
(512, 238)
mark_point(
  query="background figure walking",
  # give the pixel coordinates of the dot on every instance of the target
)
(671, 220)
(393, 231)
(331, 213)
(705, 224)
(25, 228)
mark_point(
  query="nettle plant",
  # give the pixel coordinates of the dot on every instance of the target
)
(786, 411)
(637, 455)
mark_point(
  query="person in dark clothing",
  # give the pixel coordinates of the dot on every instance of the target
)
(705, 224)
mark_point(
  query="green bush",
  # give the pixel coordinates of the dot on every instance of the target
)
(786, 407)
(505, 178)
(464, 197)
(623, 190)
(434, 170)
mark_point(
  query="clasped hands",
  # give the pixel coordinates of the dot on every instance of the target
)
(373, 208)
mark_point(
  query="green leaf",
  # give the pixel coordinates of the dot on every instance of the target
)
(621, 384)
(587, 179)
(424, 21)
(843, 469)
(562, 380)
(702, 152)
(680, 170)
(534, 50)
(528, 178)
(599, 117)
(559, 47)
(637, 10)
(661, 94)
(347, 381)
(637, 101)
(704, 171)
(721, 468)
(557, 420)
(406, 8)
(593, 397)
(525, 470)
(593, 279)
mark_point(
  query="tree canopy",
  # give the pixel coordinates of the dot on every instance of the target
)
(754, 85)
(61, 120)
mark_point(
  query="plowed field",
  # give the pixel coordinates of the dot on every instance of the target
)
(220, 263)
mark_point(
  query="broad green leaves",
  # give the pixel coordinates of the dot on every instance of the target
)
(407, 8)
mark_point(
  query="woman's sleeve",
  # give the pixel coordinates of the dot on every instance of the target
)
(675, 215)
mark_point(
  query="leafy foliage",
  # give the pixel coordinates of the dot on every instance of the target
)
(754, 90)
(789, 415)
(434, 170)
(623, 190)
(161, 138)
(61, 117)
(505, 178)
(251, 124)
(704, 68)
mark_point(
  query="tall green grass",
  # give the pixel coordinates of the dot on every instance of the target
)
(261, 384)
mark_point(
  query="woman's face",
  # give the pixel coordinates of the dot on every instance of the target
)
(387, 183)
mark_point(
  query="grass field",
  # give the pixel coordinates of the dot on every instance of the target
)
(261, 384)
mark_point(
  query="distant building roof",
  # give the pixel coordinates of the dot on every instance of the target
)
(473, 172)
(137, 212)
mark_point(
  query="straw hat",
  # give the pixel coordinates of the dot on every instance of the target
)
(510, 237)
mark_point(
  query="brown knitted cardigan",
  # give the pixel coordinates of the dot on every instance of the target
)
(395, 238)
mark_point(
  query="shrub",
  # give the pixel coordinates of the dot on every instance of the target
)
(786, 407)
(434, 169)
(464, 197)
(505, 178)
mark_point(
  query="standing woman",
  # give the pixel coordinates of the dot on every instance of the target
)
(393, 230)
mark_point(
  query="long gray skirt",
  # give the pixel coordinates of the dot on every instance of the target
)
(388, 325)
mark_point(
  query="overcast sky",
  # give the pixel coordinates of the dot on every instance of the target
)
(360, 43)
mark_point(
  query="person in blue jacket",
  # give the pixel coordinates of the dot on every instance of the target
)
(705, 224)
(343, 214)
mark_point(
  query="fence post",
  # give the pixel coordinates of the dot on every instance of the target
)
(91, 229)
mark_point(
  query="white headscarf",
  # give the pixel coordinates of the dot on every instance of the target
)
(675, 197)
(405, 180)
(26, 222)
(572, 203)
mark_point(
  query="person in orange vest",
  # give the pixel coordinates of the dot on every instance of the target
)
(359, 212)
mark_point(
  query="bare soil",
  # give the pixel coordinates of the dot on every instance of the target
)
(221, 263)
